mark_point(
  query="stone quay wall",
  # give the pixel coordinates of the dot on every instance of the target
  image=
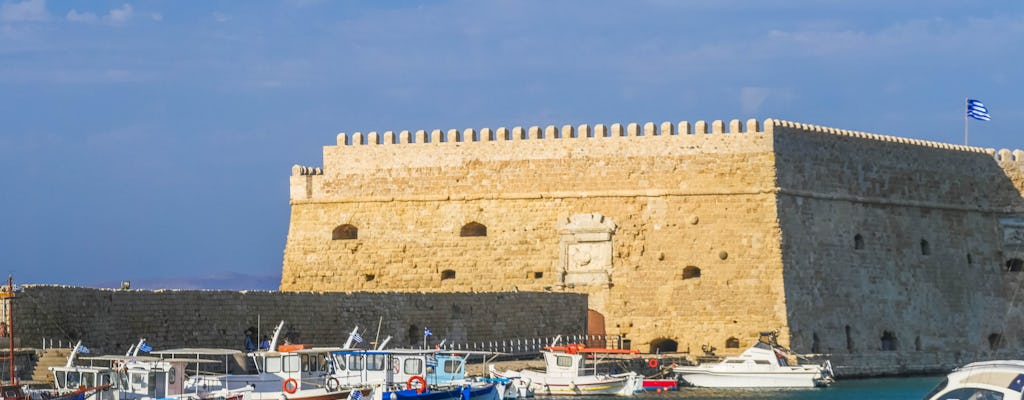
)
(109, 321)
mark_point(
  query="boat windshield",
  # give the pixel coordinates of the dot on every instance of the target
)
(938, 388)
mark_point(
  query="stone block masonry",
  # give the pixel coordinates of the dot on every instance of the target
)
(109, 321)
(686, 235)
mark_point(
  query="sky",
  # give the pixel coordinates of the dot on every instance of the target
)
(152, 141)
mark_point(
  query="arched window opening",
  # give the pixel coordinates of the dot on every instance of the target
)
(858, 242)
(664, 345)
(691, 272)
(369, 277)
(917, 343)
(849, 340)
(995, 341)
(473, 229)
(345, 232)
(732, 343)
(447, 274)
(815, 343)
(1014, 265)
(925, 248)
(889, 341)
(414, 334)
(970, 260)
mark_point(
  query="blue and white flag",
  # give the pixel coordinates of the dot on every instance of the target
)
(355, 395)
(145, 347)
(82, 349)
(356, 337)
(426, 331)
(977, 110)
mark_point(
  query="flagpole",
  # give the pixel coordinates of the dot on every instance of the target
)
(965, 121)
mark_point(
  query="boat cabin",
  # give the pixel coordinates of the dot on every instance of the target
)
(264, 371)
(129, 377)
(69, 379)
(398, 367)
(577, 360)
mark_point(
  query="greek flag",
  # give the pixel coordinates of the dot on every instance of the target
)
(977, 110)
(357, 338)
(355, 395)
(82, 349)
(145, 347)
(426, 331)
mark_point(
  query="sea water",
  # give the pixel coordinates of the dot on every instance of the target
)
(913, 388)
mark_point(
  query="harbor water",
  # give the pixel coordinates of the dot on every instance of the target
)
(909, 388)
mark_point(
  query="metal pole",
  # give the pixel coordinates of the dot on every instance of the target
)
(10, 325)
(965, 120)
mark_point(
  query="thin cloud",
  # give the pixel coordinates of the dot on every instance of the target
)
(84, 17)
(119, 16)
(26, 11)
(751, 99)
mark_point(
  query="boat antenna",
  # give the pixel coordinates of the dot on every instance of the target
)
(277, 333)
(71, 357)
(379, 322)
(384, 343)
(350, 336)
(138, 346)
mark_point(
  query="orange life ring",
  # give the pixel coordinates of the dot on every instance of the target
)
(423, 383)
(653, 363)
(290, 385)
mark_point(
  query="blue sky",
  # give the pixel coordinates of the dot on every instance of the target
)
(152, 141)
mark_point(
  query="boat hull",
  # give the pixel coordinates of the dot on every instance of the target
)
(591, 385)
(488, 392)
(660, 385)
(734, 379)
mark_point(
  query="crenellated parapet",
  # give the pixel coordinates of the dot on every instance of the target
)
(299, 170)
(551, 132)
(1000, 155)
(305, 181)
(637, 130)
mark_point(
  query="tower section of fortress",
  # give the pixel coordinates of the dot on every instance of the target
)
(684, 235)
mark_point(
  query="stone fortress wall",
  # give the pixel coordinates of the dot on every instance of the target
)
(410, 203)
(109, 321)
(680, 235)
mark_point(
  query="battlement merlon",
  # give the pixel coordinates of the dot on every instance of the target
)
(358, 153)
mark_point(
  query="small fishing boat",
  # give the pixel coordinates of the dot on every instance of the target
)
(765, 364)
(985, 380)
(411, 374)
(574, 370)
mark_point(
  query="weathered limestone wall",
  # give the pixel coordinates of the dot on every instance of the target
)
(710, 237)
(928, 270)
(109, 321)
(678, 196)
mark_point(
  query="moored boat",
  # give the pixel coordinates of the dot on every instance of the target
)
(765, 364)
(574, 370)
(985, 380)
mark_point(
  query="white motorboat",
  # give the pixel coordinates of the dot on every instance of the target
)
(573, 370)
(762, 365)
(985, 380)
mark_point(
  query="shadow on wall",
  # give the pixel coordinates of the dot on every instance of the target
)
(885, 242)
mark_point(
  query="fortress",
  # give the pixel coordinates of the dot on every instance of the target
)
(684, 235)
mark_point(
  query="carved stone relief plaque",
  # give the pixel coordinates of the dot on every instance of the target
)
(585, 244)
(1013, 230)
